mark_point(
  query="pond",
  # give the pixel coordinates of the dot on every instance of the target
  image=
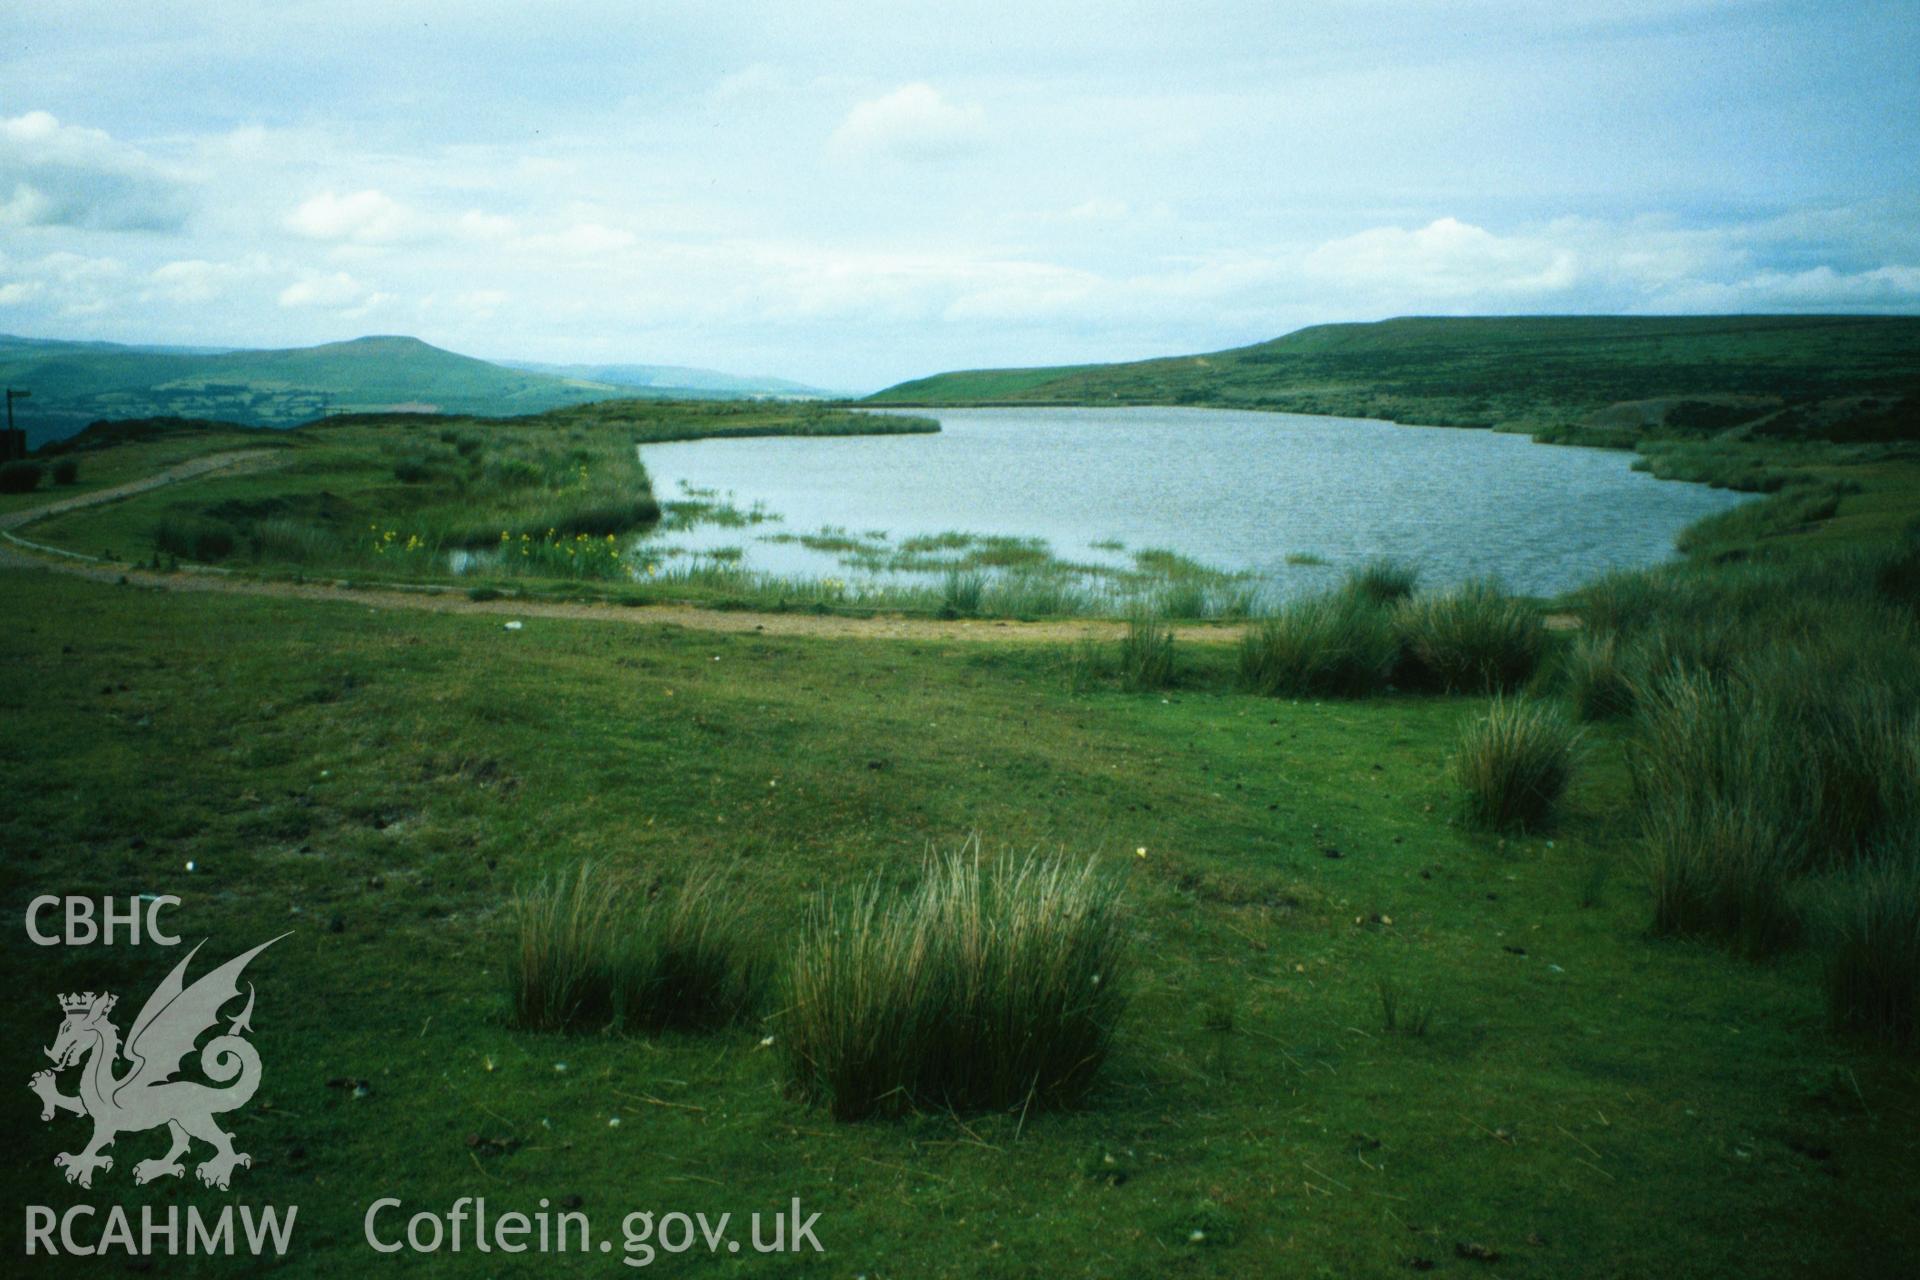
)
(1288, 501)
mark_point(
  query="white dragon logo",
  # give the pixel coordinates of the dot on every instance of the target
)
(174, 1016)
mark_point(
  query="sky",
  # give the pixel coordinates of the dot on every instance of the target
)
(851, 194)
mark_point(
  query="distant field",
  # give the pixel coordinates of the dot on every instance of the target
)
(1602, 379)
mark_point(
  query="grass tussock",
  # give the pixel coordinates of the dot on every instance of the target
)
(1722, 870)
(1383, 581)
(1338, 645)
(1873, 964)
(1082, 665)
(1599, 685)
(1514, 764)
(1722, 843)
(961, 592)
(1474, 638)
(594, 949)
(992, 985)
(1146, 653)
(1401, 1013)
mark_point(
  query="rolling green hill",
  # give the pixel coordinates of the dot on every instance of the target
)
(1601, 377)
(74, 383)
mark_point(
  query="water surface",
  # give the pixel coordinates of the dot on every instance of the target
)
(1234, 490)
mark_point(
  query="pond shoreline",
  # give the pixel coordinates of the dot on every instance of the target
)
(1244, 503)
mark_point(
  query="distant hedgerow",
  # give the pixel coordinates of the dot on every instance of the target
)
(19, 477)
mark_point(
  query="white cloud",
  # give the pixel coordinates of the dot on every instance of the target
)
(335, 292)
(197, 280)
(367, 217)
(911, 123)
(62, 284)
(1888, 288)
(583, 240)
(476, 225)
(1446, 259)
(61, 175)
(756, 81)
(1098, 210)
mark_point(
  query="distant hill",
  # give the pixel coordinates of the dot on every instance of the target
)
(1606, 378)
(678, 380)
(74, 383)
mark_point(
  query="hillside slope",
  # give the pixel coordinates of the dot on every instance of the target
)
(1599, 376)
(74, 383)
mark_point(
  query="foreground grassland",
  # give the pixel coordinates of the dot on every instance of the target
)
(1587, 1101)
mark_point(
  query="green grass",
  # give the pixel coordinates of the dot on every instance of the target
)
(992, 986)
(571, 932)
(1333, 645)
(962, 591)
(391, 783)
(597, 950)
(384, 783)
(1473, 638)
(1873, 966)
(1723, 841)
(1514, 765)
(553, 497)
(1597, 680)
(1401, 1013)
(1146, 654)
(1383, 580)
